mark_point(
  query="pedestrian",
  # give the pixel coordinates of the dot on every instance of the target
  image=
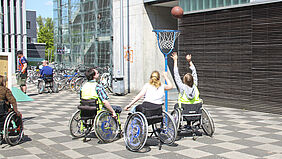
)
(153, 92)
(22, 68)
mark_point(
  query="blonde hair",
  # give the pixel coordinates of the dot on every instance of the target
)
(188, 79)
(155, 79)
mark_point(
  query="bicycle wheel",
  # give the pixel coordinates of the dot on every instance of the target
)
(135, 131)
(13, 129)
(166, 130)
(78, 127)
(106, 127)
(207, 122)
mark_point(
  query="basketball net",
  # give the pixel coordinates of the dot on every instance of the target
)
(166, 39)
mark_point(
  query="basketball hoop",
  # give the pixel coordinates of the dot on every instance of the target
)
(166, 40)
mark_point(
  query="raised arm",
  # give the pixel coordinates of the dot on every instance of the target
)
(192, 68)
(177, 78)
(169, 85)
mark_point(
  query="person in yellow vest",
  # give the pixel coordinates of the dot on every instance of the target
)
(189, 93)
(92, 90)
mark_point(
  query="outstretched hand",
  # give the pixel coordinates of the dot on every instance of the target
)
(127, 108)
(174, 56)
(189, 57)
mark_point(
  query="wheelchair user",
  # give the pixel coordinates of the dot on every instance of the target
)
(92, 90)
(6, 97)
(189, 93)
(46, 71)
(153, 92)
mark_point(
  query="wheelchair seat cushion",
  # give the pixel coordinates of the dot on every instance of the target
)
(153, 112)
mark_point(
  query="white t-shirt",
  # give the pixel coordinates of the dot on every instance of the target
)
(153, 94)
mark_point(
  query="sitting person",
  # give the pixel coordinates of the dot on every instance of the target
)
(6, 96)
(153, 92)
(189, 93)
(46, 70)
(92, 90)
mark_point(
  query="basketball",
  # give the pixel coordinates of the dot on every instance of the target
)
(177, 12)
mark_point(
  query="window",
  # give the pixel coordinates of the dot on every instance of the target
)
(27, 24)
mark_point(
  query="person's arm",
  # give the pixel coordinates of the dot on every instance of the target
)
(11, 99)
(169, 85)
(104, 98)
(24, 68)
(177, 78)
(192, 68)
(139, 95)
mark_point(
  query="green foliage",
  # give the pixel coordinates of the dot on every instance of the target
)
(45, 34)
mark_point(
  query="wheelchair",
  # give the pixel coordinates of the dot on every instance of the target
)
(136, 127)
(48, 83)
(89, 115)
(195, 116)
(11, 126)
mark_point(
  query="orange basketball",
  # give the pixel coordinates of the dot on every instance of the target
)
(177, 12)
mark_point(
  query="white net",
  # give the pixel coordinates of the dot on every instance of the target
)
(167, 39)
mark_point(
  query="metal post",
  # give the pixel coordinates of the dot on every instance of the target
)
(166, 95)
(121, 39)
(128, 49)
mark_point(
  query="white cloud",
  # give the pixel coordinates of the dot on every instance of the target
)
(49, 3)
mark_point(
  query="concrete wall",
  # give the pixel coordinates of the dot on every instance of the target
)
(143, 42)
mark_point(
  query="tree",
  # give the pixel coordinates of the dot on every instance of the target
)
(45, 34)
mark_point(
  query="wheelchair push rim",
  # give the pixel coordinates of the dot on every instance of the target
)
(78, 127)
(13, 129)
(207, 123)
(135, 131)
(106, 127)
(176, 115)
(166, 130)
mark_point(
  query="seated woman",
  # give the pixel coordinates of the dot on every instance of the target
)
(153, 92)
(6, 96)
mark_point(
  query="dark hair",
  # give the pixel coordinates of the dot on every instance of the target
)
(90, 73)
(20, 52)
(2, 81)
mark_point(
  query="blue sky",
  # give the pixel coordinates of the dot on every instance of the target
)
(42, 7)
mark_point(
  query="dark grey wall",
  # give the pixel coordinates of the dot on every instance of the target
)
(36, 50)
(31, 17)
(237, 53)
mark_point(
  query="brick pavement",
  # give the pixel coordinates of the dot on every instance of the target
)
(239, 134)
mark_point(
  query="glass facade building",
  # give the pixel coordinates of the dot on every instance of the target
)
(83, 32)
(197, 5)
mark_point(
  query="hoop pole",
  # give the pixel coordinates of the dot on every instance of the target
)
(166, 93)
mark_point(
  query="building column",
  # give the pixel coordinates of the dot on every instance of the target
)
(6, 25)
(18, 20)
(24, 29)
(12, 31)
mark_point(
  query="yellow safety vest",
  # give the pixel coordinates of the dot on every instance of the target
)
(182, 98)
(88, 91)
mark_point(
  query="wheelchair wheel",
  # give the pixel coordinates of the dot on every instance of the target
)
(207, 123)
(106, 127)
(166, 130)
(78, 127)
(13, 129)
(176, 115)
(40, 87)
(135, 131)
